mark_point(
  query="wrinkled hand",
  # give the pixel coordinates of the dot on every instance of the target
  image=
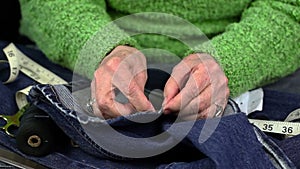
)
(196, 88)
(123, 69)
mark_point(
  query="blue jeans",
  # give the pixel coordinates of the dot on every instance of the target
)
(233, 143)
(234, 138)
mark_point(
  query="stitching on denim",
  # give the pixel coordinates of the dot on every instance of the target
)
(83, 134)
(283, 161)
(171, 165)
(44, 89)
(81, 117)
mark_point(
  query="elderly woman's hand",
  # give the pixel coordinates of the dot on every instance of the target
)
(123, 69)
(197, 88)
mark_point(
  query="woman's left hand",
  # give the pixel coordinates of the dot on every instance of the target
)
(197, 88)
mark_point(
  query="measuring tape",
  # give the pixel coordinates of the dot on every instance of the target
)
(20, 62)
(280, 127)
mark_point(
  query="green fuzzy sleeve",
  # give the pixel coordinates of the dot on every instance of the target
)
(263, 47)
(61, 29)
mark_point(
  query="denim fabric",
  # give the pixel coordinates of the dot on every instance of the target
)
(235, 143)
(291, 147)
(233, 140)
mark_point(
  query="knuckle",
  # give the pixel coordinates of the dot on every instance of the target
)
(98, 73)
(131, 90)
(203, 115)
(193, 90)
(177, 68)
(200, 69)
(201, 77)
(103, 104)
(192, 56)
(142, 77)
(225, 80)
(205, 105)
(113, 62)
(196, 68)
(182, 66)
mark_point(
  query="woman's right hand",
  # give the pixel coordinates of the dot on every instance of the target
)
(123, 69)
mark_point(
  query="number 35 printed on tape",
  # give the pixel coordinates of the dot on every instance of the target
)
(281, 127)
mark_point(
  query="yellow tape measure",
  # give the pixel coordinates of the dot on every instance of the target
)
(280, 127)
(20, 62)
(14, 65)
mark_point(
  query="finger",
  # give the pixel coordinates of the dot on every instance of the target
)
(209, 97)
(220, 89)
(197, 82)
(130, 78)
(120, 52)
(95, 107)
(98, 113)
(199, 103)
(207, 107)
(135, 62)
(141, 79)
(126, 83)
(210, 112)
(207, 103)
(120, 60)
(221, 98)
(179, 76)
(115, 109)
(176, 82)
(204, 114)
(171, 89)
(108, 107)
(105, 96)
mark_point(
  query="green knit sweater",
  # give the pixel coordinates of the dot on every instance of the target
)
(256, 42)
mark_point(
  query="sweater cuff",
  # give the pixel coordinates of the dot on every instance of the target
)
(208, 48)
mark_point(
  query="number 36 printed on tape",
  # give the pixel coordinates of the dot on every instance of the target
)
(280, 127)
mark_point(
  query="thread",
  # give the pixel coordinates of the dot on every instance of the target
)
(38, 135)
(155, 85)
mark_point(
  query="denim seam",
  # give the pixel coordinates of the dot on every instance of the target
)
(171, 165)
(65, 113)
(81, 132)
(285, 163)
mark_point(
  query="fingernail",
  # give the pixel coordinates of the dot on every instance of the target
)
(166, 111)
